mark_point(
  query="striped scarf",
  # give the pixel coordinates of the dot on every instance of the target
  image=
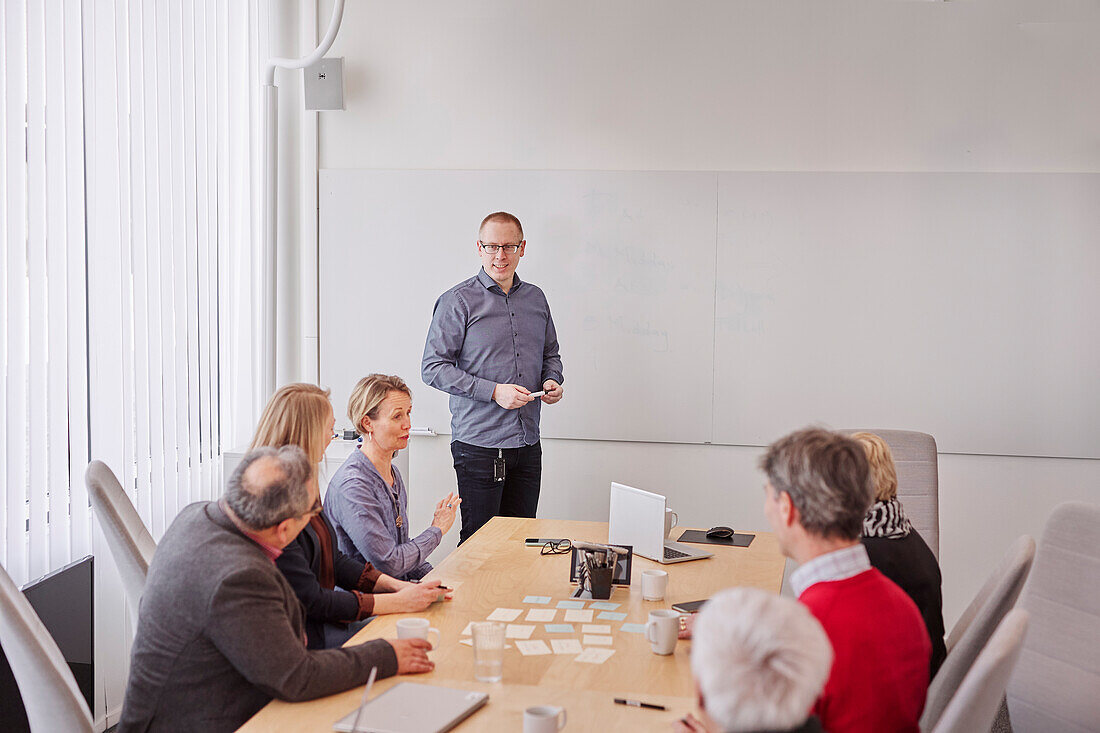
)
(886, 519)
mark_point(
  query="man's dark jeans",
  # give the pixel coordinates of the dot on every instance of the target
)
(483, 497)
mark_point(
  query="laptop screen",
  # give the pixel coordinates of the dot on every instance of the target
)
(637, 518)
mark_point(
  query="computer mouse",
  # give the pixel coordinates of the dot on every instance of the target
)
(719, 533)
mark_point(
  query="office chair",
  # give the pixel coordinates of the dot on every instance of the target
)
(50, 695)
(131, 544)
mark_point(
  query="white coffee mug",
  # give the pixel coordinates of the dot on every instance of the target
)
(543, 719)
(672, 519)
(654, 585)
(661, 630)
(416, 628)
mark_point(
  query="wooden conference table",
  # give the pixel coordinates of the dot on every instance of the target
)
(494, 569)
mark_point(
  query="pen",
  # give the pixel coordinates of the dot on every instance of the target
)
(639, 704)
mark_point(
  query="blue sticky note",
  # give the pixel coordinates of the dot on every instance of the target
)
(559, 628)
(604, 606)
(633, 628)
(570, 604)
(536, 599)
(611, 616)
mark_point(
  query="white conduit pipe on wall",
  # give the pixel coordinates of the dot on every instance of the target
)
(266, 384)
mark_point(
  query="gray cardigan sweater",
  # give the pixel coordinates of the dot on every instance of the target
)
(220, 633)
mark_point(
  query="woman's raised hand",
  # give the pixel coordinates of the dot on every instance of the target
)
(445, 512)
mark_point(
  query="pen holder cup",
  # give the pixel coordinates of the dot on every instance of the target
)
(599, 581)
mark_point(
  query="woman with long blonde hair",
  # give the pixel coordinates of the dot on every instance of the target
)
(338, 592)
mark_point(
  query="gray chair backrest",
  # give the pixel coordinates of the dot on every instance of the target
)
(974, 705)
(131, 544)
(46, 684)
(1057, 685)
(994, 600)
(918, 479)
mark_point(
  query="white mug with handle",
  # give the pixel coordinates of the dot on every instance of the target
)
(543, 719)
(417, 628)
(672, 519)
(661, 630)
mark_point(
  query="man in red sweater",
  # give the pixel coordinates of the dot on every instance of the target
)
(818, 490)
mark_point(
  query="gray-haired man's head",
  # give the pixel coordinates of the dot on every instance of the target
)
(827, 478)
(269, 486)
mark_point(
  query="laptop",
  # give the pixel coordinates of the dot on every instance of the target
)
(410, 707)
(638, 519)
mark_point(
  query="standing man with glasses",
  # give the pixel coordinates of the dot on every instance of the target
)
(490, 346)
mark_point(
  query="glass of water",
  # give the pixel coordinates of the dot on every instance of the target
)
(488, 651)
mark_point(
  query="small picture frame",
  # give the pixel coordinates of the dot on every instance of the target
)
(621, 576)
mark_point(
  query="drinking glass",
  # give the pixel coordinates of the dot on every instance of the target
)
(488, 651)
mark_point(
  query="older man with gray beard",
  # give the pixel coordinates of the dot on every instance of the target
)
(220, 631)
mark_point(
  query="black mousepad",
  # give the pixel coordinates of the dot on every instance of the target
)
(698, 536)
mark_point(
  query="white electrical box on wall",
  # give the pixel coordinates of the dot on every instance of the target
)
(324, 84)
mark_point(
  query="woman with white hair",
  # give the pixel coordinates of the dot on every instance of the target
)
(759, 662)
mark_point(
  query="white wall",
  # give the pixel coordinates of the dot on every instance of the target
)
(718, 85)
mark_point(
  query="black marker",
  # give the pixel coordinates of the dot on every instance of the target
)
(639, 704)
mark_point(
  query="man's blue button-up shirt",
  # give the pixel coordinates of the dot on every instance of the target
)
(481, 337)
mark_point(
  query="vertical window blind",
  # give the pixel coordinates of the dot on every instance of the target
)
(44, 516)
(128, 218)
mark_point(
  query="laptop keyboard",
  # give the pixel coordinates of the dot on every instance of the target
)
(671, 554)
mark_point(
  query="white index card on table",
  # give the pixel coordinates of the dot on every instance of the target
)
(518, 631)
(470, 642)
(590, 640)
(505, 614)
(527, 648)
(594, 656)
(566, 646)
(541, 615)
(583, 615)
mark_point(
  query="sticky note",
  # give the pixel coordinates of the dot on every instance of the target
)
(538, 599)
(469, 629)
(594, 656)
(604, 606)
(504, 614)
(633, 628)
(611, 616)
(517, 631)
(566, 646)
(470, 642)
(559, 628)
(581, 615)
(596, 629)
(541, 615)
(591, 640)
(527, 648)
(570, 604)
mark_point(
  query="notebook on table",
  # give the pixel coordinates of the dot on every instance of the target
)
(409, 707)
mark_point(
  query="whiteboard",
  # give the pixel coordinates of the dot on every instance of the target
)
(965, 305)
(626, 260)
(735, 307)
